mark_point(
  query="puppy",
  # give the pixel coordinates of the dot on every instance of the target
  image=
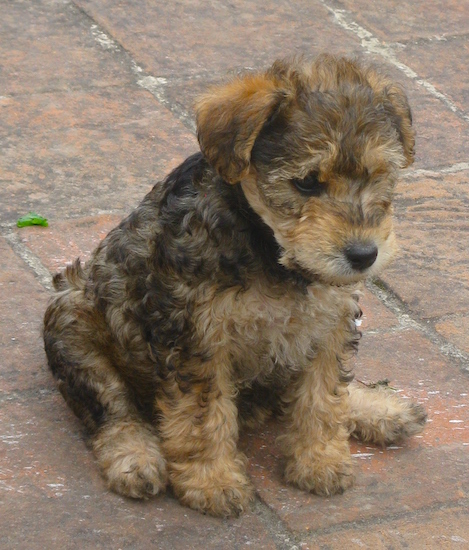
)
(231, 293)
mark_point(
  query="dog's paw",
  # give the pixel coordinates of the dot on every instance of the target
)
(322, 476)
(137, 475)
(222, 493)
(131, 462)
(406, 422)
(221, 500)
(382, 417)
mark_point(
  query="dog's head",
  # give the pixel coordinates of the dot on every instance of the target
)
(316, 148)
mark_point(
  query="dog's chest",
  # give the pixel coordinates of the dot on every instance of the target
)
(264, 329)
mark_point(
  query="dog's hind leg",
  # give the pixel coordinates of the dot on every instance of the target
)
(378, 415)
(125, 445)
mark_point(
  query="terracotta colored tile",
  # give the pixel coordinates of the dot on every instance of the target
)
(442, 63)
(445, 529)
(416, 369)
(456, 330)
(81, 152)
(53, 497)
(441, 135)
(431, 273)
(63, 241)
(408, 359)
(22, 305)
(218, 37)
(50, 46)
(375, 315)
(395, 20)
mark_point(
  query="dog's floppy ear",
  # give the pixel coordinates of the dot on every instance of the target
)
(229, 119)
(398, 110)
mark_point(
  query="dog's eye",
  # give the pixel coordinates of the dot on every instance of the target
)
(310, 185)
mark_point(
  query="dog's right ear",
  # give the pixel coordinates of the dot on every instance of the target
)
(396, 106)
(229, 119)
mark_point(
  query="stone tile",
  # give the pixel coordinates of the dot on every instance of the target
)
(183, 92)
(431, 273)
(415, 368)
(426, 471)
(22, 305)
(56, 38)
(398, 21)
(455, 329)
(445, 529)
(63, 241)
(376, 316)
(409, 360)
(441, 136)
(442, 63)
(66, 154)
(218, 37)
(52, 495)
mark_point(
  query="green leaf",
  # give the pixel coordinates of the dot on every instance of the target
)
(32, 219)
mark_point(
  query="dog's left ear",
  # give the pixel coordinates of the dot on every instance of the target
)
(229, 119)
(398, 111)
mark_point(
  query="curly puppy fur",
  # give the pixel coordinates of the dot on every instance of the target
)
(231, 292)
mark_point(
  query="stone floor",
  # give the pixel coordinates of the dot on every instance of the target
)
(95, 106)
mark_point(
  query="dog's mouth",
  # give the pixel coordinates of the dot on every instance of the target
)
(351, 264)
(338, 278)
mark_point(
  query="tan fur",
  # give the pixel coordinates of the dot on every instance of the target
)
(316, 442)
(129, 456)
(240, 108)
(231, 293)
(380, 416)
(199, 430)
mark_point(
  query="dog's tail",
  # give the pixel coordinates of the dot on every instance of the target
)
(72, 278)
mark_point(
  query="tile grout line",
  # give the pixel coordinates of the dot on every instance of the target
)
(452, 169)
(42, 274)
(372, 45)
(284, 539)
(389, 519)
(408, 321)
(426, 40)
(154, 85)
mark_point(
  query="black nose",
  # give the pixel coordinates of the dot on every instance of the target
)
(361, 255)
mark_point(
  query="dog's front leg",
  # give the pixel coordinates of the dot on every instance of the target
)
(316, 444)
(199, 429)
